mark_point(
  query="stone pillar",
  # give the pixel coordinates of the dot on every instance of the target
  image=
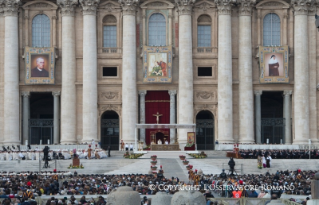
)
(129, 92)
(258, 116)
(26, 116)
(89, 70)
(185, 87)
(11, 73)
(246, 99)
(68, 94)
(225, 81)
(301, 85)
(56, 117)
(172, 111)
(287, 116)
(142, 94)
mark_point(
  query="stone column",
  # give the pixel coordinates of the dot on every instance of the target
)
(11, 73)
(89, 70)
(258, 116)
(287, 116)
(301, 85)
(246, 99)
(129, 92)
(26, 116)
(68, 94)
(56, 117)
(185, 87)
(172, 111)
(225, 81)
(142, 94)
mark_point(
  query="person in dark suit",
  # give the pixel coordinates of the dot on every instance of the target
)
(39, 71)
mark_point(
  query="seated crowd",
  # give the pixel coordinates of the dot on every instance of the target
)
(280, 154)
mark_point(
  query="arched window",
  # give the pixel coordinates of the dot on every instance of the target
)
(157, 30)
(204, 30)
(109, 32)
(41, 31)
(271, 30)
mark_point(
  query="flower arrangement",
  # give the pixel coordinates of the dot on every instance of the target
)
(199, 156)
(188, 167)
(154, 157)
(182, 157)
(153, 167)
(127, 155)
(185, 162)
(76, 167)
(153, 162)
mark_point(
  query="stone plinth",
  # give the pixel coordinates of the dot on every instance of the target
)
(124, 195)
(188, 197)
(76, 161)
(315, 189)
(161, 198)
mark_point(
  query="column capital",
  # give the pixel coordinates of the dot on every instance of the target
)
(246, 7)
(258, 92)
(287, 92)
(172, 92)
(10, 7)
(67, 7)
(129, 7)
(142, 92)
(224, 6)
(56, 93)
(25, 94)
(89, 6)
(184, 7)
(301, 7)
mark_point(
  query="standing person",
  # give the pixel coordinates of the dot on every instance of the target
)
(122, 145)
(268, 161)
(89, 152)
(126, 147)
(109, 151)
(131, 147)
(264, 161)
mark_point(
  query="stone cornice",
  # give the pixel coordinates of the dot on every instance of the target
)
(172, 92)
(129, 6)
(67, 7)
(301, 7)
(184, 7)
(142, 92)
(56, 93)
(245, 7)
(224, 6)
(89, 6)
(10, 7)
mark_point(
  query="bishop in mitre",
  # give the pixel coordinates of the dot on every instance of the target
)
(273, 66)
(159, 141)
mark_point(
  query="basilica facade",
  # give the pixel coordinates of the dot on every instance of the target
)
(243, 71)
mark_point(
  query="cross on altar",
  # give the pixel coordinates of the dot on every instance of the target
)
(157, 115)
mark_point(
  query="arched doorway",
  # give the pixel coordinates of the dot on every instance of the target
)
(205, 138)
(160, 136)
(110, 130)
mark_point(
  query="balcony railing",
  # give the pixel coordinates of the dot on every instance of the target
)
(206, 49)
(111, 50)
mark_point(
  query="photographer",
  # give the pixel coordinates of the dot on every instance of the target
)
(46, 156)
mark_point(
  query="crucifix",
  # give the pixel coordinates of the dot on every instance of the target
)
(157, 117)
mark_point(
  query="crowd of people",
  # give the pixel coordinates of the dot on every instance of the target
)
(280, 154)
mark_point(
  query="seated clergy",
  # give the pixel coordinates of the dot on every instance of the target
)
(159, 141)
(166, 142)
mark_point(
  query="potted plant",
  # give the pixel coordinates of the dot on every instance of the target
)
(188, 167)
(185, 162)
(182, 157)
(153, 167)
(191, 166)
(153, 162)
(154, 157)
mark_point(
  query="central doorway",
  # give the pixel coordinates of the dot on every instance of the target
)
(110, 130)
(205, 138)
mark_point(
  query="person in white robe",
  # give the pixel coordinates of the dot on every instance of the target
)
(159, 141)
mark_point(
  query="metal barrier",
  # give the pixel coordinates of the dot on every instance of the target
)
(248, 201)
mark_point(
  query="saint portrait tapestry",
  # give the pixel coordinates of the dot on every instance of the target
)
(190, 139)
(273, 63)
(39, 65)
(157, 63)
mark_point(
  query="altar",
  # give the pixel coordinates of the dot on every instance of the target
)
(165, 147)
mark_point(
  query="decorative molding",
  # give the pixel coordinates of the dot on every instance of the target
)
(172, 92)
(273, 4)
(258, 92)
(25, 94)
(224, 6)
(116, 108)
(67, 7)
(129, 6)
(156, 4)
(142, 92)
(10, 7)
(277, 4)
(89, 6)
(42, 5)
(202, 107)
(109, 96)
(204, 6)
(205, 96)
(287, 92)
(301, 7)
(56, 93)
(245, 7)
(184, 7)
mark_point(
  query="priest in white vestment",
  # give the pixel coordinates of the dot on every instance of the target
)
(159, 141)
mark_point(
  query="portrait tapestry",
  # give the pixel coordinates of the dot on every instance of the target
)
(157, 64)
(190, 139)
(273, 62)
(39, 65)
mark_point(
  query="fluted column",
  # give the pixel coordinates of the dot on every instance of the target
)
(301, 85)
(25, 116)
(246, 100)
(185, 82)
(258, 94)
(56, 117)
(225, 81)
(11, 73)
(89, 70)
(287, 116)
(129, 92)
(142, 94)
(68, 94)
(172, 111)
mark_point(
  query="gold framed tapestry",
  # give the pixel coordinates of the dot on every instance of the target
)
(273, 62)
(39, 65)
(157, 64)
(190, 139)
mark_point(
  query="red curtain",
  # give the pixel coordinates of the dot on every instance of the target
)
(156, 101)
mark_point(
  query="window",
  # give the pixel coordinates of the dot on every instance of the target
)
(109, 71)
(271, 30)
(204, 71)
(157, 30)
(41, 31)
(109, 32)
(204, 31)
